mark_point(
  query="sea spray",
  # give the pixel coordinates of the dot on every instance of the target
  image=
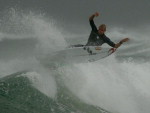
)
(113, 85)
(23, 28)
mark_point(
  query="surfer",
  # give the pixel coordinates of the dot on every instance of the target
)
(98, 37)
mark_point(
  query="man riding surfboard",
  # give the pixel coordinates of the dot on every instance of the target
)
(98, 37)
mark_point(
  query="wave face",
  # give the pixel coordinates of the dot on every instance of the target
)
(116, 84)
(18, 95)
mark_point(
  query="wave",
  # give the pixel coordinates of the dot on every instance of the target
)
(17, 92)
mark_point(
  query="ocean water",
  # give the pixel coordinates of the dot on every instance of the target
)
(116, 84)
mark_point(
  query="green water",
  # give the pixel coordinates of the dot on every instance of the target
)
(17, 95)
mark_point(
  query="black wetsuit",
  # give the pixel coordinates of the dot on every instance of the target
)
(96, 39)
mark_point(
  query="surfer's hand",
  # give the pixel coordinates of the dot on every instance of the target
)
(96, 14)
(124, 40)
(93, 15)
(121, 42)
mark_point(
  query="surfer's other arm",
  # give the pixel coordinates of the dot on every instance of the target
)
(121, 42)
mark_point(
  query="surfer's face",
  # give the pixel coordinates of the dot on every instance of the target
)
(101, 30)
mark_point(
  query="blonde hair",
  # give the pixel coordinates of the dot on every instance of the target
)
(103, 26)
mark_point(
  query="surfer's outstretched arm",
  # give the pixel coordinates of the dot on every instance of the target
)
(121, 42)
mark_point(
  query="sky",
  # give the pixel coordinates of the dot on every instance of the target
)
(112, 12)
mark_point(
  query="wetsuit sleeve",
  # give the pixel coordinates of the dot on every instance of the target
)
(93, 26)
(109, 42)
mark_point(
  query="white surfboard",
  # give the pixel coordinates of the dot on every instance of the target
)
(78, 54)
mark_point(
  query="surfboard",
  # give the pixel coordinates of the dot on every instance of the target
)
(78, 54)
(81, 53)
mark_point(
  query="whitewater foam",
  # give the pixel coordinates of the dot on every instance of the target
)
(43, 80)
(116, 86)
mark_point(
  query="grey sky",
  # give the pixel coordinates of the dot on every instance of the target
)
(113, 12)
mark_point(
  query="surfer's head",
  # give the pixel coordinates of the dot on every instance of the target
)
(102, 29)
